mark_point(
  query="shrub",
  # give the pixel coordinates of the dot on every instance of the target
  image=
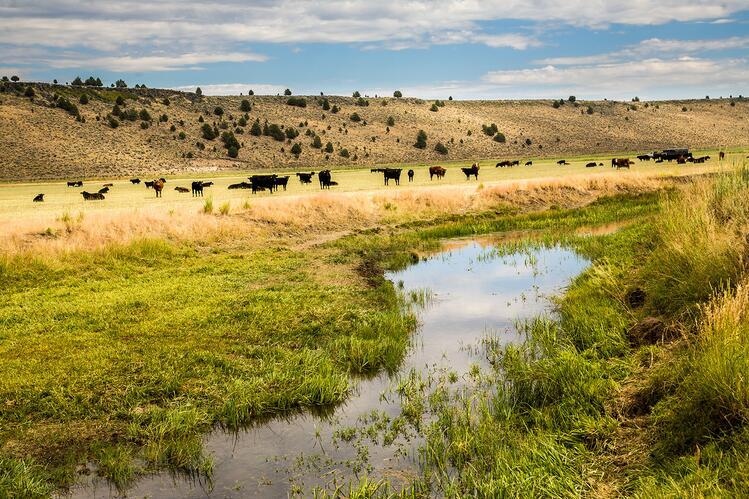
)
(440, 148)
(120, 84)
(230, 140)
(120, 101)
(391, 121)
(329, 147)
(362, 102)
(500, 137)
(421, 140)
(207, 131)
(14, 78)
(144, 115)
(684, 109)
(251, 92)
(556, 104)
(528, 142)
(572, 98)
(242, 121)
(355, 118)
(77, 82)
(182, 136)
(198, 92)
(166, 101)
(397, 94)
(245, 106)
(276, 132)
(356, 94)
(144, 126)
(113, 122)
(490, 130)
(335, 109)
(200, 146)
(434, 108)
(218, 111)
(590, 110)
(291, 133)
(296, 149)
(83, 99)
(343, 153)
(256, 129)
(130, 115)
(116, 111)
(190, 155)
(325, 105)
(287, 92)
(163, 118)
(68, 106)
(316, 142)
(297, 101)
(232, 152)
(29, 92)
(173, 128)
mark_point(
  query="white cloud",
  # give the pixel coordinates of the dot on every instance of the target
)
(153, 62)
(234, 88)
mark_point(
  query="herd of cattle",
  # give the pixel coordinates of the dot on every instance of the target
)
(272, 182)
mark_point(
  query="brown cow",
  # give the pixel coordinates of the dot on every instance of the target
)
(721, 156)
(620, 163)
(158, 186)
(182, 189)
(437, 171)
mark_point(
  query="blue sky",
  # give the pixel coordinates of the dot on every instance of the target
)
(464, 48)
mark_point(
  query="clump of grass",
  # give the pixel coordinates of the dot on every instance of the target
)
(208, 206)
(19, 478)
(225, 208)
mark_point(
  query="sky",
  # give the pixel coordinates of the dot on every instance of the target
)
(467, 49)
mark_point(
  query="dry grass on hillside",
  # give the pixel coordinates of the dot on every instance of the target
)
(305, 220)
(38, 141)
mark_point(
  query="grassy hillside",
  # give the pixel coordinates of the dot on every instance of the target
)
(39, 139)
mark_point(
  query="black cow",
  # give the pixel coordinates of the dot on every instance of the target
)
(502, 164)
(562, 162)
(149, 184)
(390, 174)
(529, 163)
(197, 189)
(282, 181)
(76, 183)
(473, 170)
(135, 181)
(326, 179)
(305, 178)
(411, 175)
(241, 185)
(592, 164)
(39, 198)
(92, 196)
(103, 190)
(263, 182)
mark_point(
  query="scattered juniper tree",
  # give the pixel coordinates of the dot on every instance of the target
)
(245, 106)
(397, 94)
(421, 140)
(287, 92)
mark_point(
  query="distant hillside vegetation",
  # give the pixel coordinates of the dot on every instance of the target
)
(54, 131)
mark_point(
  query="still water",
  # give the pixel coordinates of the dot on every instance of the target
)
(473, 290)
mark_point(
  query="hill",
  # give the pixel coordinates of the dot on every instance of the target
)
(43, 136)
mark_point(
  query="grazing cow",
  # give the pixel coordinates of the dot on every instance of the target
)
(592, 164)
(241, 185)
(92, 196)
(411, 175)
(103, 190)
(562, 162)
(390, 174)
(620, 163)
(135, 181)
(473, 170)
(529, 163)
(681, 160)
(600, 164)
(305, 178)
(644, 157)
(515, 163)
(502, 164)
(76, 183)
(39, 198)
(721, 156)
(263, 182)
(158, 186)
(282, 181)
(701, 159)
(181, 189)
(207, 184)
(325, 179)
(108, 185)
(149, 184)
(197, 188)
(436, 171)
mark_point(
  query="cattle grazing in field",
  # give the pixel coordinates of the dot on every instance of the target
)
(701, 159)
(411, 175)
(197, 188)
(104, 190)
(620, 163)
(529, 163)
(504, 163)
(76, 183)
(282, 181)
(108, 185)
(562, 162)
(389, 174)
(644, 157)
(92, 196)
(207, 184)
(39, 198)
(149, 184)
(721, 156)
(592, 164)
(183, 190)
(326, 179)
(241, 185)
(263, 182)
(158, 186)
(437, 171)
(305, 178)
(135, 181)
(681, 160)
(473, 170)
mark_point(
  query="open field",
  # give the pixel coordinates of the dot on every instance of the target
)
(39, 140)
